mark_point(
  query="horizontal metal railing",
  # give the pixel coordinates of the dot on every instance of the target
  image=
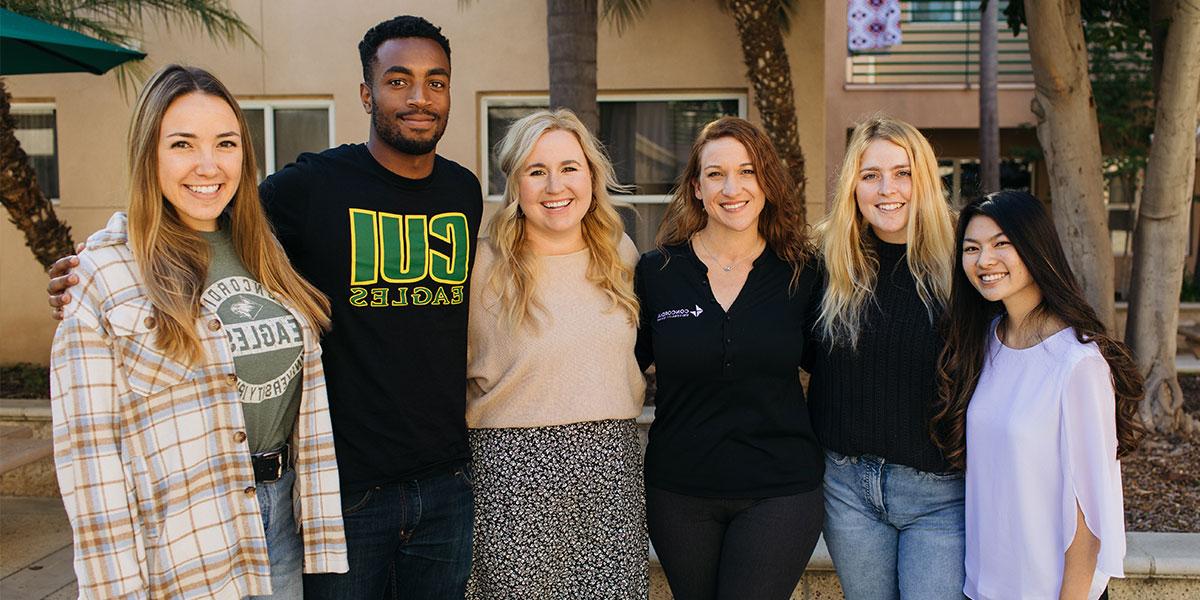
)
(940, 45)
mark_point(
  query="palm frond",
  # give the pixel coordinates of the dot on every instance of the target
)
(622, 14)
(122, 21)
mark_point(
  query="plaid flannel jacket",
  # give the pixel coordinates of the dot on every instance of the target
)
(151, 454)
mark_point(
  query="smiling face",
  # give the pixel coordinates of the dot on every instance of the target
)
(884, 190)
(555, 190)
(199, 158)
(728, 186)
(408, 97)
(993, 266)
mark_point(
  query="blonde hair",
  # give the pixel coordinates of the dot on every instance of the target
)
(173, 258)
(514, 277)
(851, 264)
(781, 222)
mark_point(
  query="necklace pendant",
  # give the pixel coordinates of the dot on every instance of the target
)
(728, 269)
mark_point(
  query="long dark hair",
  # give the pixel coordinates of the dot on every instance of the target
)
(1025, 222)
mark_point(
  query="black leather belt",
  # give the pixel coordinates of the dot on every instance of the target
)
(270, 466)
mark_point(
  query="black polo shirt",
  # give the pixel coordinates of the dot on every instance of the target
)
(731, 419)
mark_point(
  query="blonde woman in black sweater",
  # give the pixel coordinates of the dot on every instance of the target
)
(894, 506)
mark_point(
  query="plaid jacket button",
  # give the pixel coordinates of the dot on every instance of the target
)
(239, 437)
(231, 379)
(149, 322)
(214, 325)
(250, 491)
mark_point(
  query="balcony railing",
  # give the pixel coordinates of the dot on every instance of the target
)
(940, 45)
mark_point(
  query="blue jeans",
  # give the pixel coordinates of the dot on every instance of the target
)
(893, 531)
(284, 546)
(414, 533)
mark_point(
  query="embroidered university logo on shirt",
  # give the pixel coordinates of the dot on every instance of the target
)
(680, 312)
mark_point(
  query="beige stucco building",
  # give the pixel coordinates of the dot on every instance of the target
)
(675, 68)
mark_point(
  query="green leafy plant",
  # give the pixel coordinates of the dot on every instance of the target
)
(24, 380)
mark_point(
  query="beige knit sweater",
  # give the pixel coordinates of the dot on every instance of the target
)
(577, 365)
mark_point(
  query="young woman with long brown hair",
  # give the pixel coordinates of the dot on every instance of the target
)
(553, 386)
(1038, 404)
(893, 505)
(733, 470)
(189, 401)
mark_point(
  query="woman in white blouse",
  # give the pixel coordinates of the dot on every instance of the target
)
(1038, 405)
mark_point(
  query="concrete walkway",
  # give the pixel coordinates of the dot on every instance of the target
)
(35, 550)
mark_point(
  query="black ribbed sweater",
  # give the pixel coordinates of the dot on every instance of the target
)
(878, 398)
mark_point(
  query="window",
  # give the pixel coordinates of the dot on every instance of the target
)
(647, 136)
(283, 129)
(38, 135)
(961, 177)
(945, 11)
(935, 11)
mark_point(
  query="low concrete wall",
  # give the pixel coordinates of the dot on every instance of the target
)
(1158, 566)
(36, 478)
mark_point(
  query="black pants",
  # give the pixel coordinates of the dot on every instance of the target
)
(725, 548)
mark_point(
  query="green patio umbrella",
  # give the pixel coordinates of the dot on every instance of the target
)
(29, 46)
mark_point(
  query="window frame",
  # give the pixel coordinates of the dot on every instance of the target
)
(958, 12)
(268, 106)
(17, 107)
(488, 100)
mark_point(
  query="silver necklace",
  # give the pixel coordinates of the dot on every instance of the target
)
(714, 256)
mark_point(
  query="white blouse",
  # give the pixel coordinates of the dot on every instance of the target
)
(1041, 436)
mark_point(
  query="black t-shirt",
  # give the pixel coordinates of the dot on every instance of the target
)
(730, 417)
(394, 256)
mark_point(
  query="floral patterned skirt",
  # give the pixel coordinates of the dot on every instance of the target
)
(560, 512)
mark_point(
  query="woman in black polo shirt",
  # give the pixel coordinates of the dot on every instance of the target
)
(733, 469)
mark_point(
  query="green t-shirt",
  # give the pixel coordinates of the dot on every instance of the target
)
(266, 340)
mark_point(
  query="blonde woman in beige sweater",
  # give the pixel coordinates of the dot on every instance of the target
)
(553, 385)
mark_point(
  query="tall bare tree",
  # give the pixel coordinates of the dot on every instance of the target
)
(989, 103)
(1160, 239)
(761, 25)
(117, 21)
(1070, 141)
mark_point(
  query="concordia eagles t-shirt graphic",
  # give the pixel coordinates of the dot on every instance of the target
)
(266, 340)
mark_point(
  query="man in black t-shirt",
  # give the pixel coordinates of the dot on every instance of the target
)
(387, 231)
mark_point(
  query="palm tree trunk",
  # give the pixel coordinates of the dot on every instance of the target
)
(571, 42)
(1160, 238)
(28, 209)
(1070, 140)
(771, 75)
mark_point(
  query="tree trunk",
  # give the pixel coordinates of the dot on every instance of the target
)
(28, 209)
(771, 75)
(1070, 141)
(1160, 239)
(571, 41)
(989, 117)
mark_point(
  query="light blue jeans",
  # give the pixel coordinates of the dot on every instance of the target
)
(893, 531)
(284, 546)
